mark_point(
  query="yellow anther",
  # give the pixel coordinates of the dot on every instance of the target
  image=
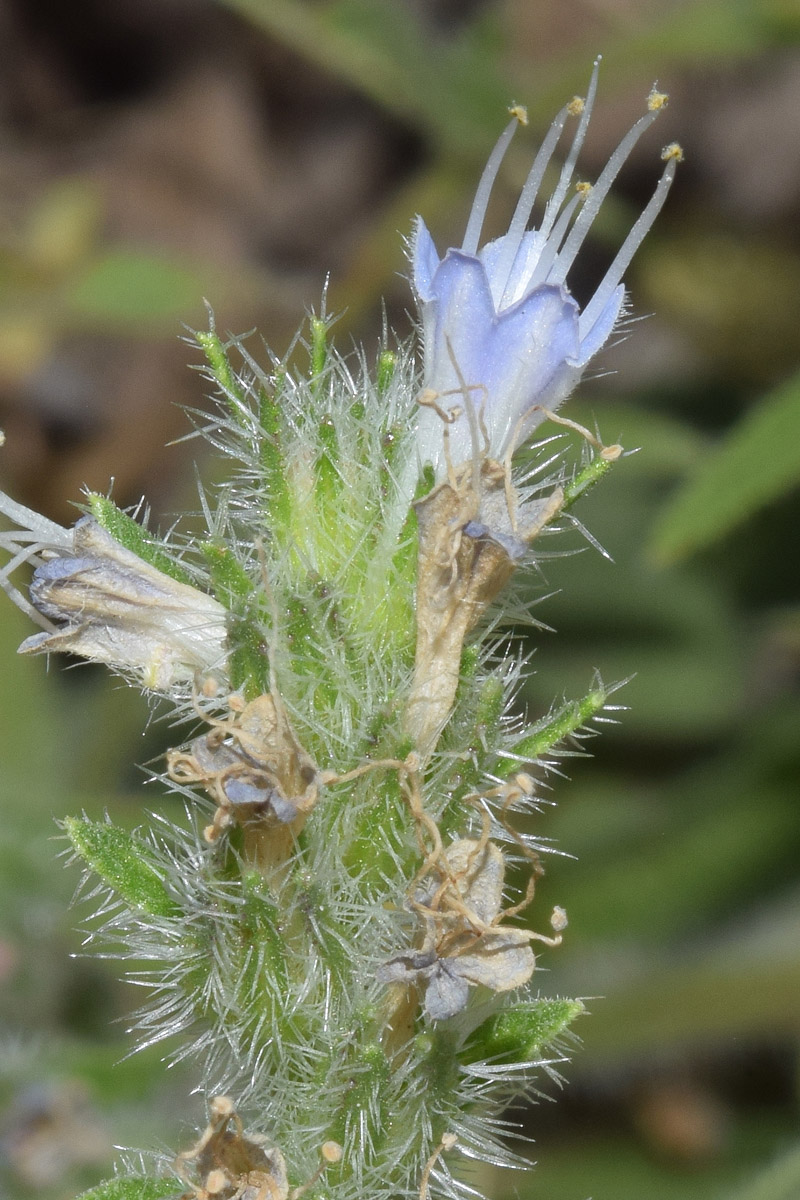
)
(583, 188)
(673, 150)
(576, 106)
(520, 112)
(657, 100)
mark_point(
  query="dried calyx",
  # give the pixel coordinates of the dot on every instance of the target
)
(229, 1165)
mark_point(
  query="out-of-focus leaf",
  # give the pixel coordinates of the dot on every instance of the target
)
(780, 1181)
(63, 225)
(756, 464)
(656, 445)
(130, 286)
(718, 288)
(452, 90)
(696, 1003)
(679, 649)
(607, 1166)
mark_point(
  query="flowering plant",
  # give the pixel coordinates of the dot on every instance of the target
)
(333, 933)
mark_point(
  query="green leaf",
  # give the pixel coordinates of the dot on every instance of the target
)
(134, 537)
(755, 465)
(554, 728)
(780, 1181)
(122, 861)
(132, 1187)
(522, 1033)
(128, 286)
(585, 479)
(220, 368)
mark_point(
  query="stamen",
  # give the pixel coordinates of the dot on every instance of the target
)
(44, 529)
(672, 154)
(565, 178)
(21, 601)
(481, 201)
(599, 192)
(547, 257)
(527, 199)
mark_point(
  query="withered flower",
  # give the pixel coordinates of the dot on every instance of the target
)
(464, 943)
(253, 767)
(96, 599)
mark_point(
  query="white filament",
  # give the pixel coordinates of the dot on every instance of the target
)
(481, 201)
(627, 250)
(557, 198)
(527, 198)
(597, 195)
(554, 241)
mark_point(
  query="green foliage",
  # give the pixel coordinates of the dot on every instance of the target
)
(524, 1032)
(123, 862)
(780, 1181)
(126, 287)
(555, 728)
(756, 464)
(133, 536)
(133, 1187)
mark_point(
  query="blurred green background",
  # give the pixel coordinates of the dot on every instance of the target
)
(153, 152)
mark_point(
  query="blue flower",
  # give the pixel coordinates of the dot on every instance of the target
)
(502, 336)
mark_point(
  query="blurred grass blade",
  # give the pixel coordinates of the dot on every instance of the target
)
(780, 1181)
(127, 286)
(455, 91)
(757, 463)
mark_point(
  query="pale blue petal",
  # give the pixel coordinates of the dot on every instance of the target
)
(424, 260)
(509, 360)
(600, 332)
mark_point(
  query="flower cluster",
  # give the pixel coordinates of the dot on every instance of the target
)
(335, 936)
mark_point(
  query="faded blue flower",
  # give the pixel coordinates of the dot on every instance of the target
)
(502, 336)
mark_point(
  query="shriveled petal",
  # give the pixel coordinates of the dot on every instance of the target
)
(447, 993)
(407, 968)
(113, 607)
(500, 961)
(480, 872)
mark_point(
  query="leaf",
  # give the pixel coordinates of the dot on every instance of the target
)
(560, 724)
(522, 1033)
(779, 1181)
(755, 465)
(132, 1187)
(134, 537)
(121, 860)
(127, 286)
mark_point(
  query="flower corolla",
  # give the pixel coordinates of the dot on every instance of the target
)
(98, 600)
(503, 339)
